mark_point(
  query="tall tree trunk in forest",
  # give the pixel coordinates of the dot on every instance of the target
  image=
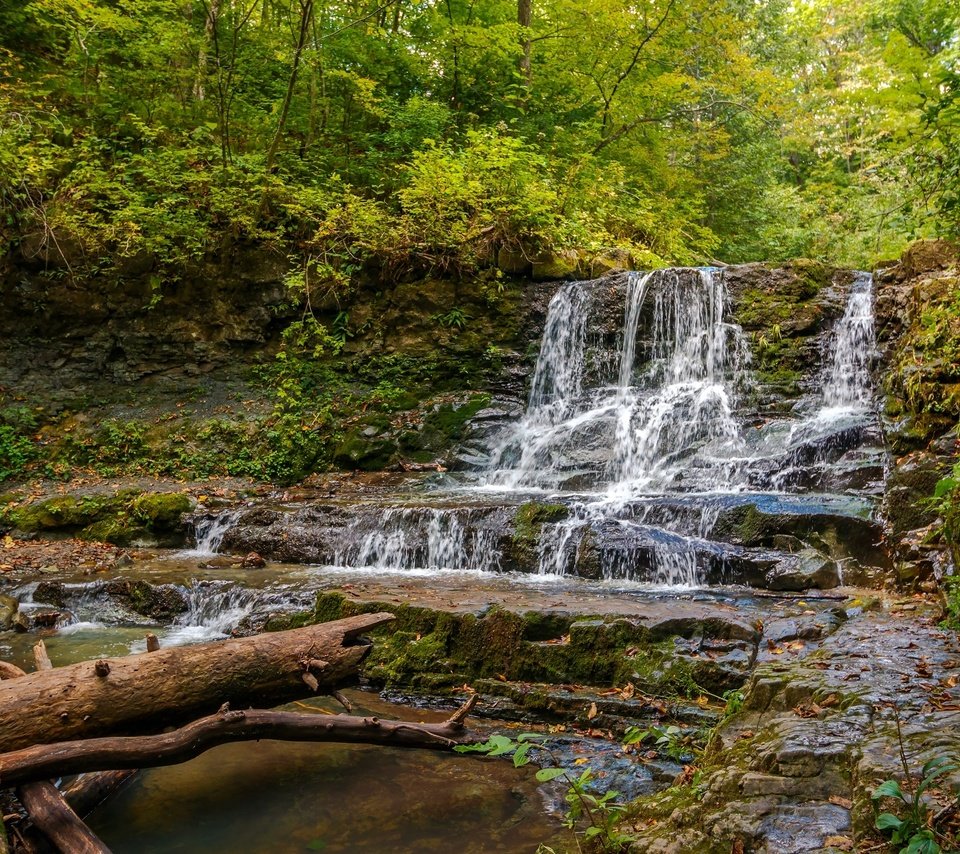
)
(306, 16)
(209, 26)
(524, 19)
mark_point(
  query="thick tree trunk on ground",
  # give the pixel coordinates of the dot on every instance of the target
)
(44, 803)
(53, 760)
(169, 686)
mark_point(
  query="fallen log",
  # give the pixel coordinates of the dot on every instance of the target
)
(169, 686)
(52, 816)
(45, 804)
(72, 757)
(86, 793)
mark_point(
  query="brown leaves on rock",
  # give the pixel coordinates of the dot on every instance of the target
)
(37, 555)
(627, 692)
(779, 649)
(813, 709)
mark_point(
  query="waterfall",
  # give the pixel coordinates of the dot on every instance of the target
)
(425, 538)
(211, 530)
(684, 402)
(847, 382)
(556, 406)
(680, 406)
(644, 424)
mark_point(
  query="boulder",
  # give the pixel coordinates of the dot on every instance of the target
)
(808, 569)
(8, 611)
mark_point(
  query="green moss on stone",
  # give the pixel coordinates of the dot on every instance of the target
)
(283, 622)
(528, 519)
(162, 511)
(367, 453)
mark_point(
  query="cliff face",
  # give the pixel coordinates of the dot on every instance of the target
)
(64, 336)
(918, 333)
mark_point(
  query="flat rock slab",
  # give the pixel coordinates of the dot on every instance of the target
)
(460, 593)
(795, 769)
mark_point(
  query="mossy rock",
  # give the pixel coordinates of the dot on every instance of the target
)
(367, 453)
(120, 530)
(424, 648)
(162, 511)
(284, 622)
(161, 602)
(440, 427)
(67, 512)
(528, 520)
(562, 264)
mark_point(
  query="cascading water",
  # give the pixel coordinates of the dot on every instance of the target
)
(848, 382)
(844, 410)
(216, 608)
(211, 530)
(640, 433)
(680, 406)
(405, 538)
(555, 409)
(667, 424)
(683, 404)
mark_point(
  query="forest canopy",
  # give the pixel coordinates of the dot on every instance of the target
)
(432, 135)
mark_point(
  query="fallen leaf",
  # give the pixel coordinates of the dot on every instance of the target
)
(841, 843)
(807, 710)
(846, 803)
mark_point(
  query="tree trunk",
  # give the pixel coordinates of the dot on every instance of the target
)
(209, 25)
(156, 689)
(525, 19)
(306, 15)
(53, 760)
(46, 806)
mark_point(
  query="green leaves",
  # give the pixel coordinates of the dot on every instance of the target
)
(913, 827)
(545, 775)
(888, 789)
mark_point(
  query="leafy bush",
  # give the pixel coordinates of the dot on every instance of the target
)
(16, 451)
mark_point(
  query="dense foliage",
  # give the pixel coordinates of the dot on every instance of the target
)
(412, 136)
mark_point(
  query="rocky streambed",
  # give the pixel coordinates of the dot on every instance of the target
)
(814, 682)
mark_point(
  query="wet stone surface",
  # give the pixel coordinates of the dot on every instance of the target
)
(795, 770)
